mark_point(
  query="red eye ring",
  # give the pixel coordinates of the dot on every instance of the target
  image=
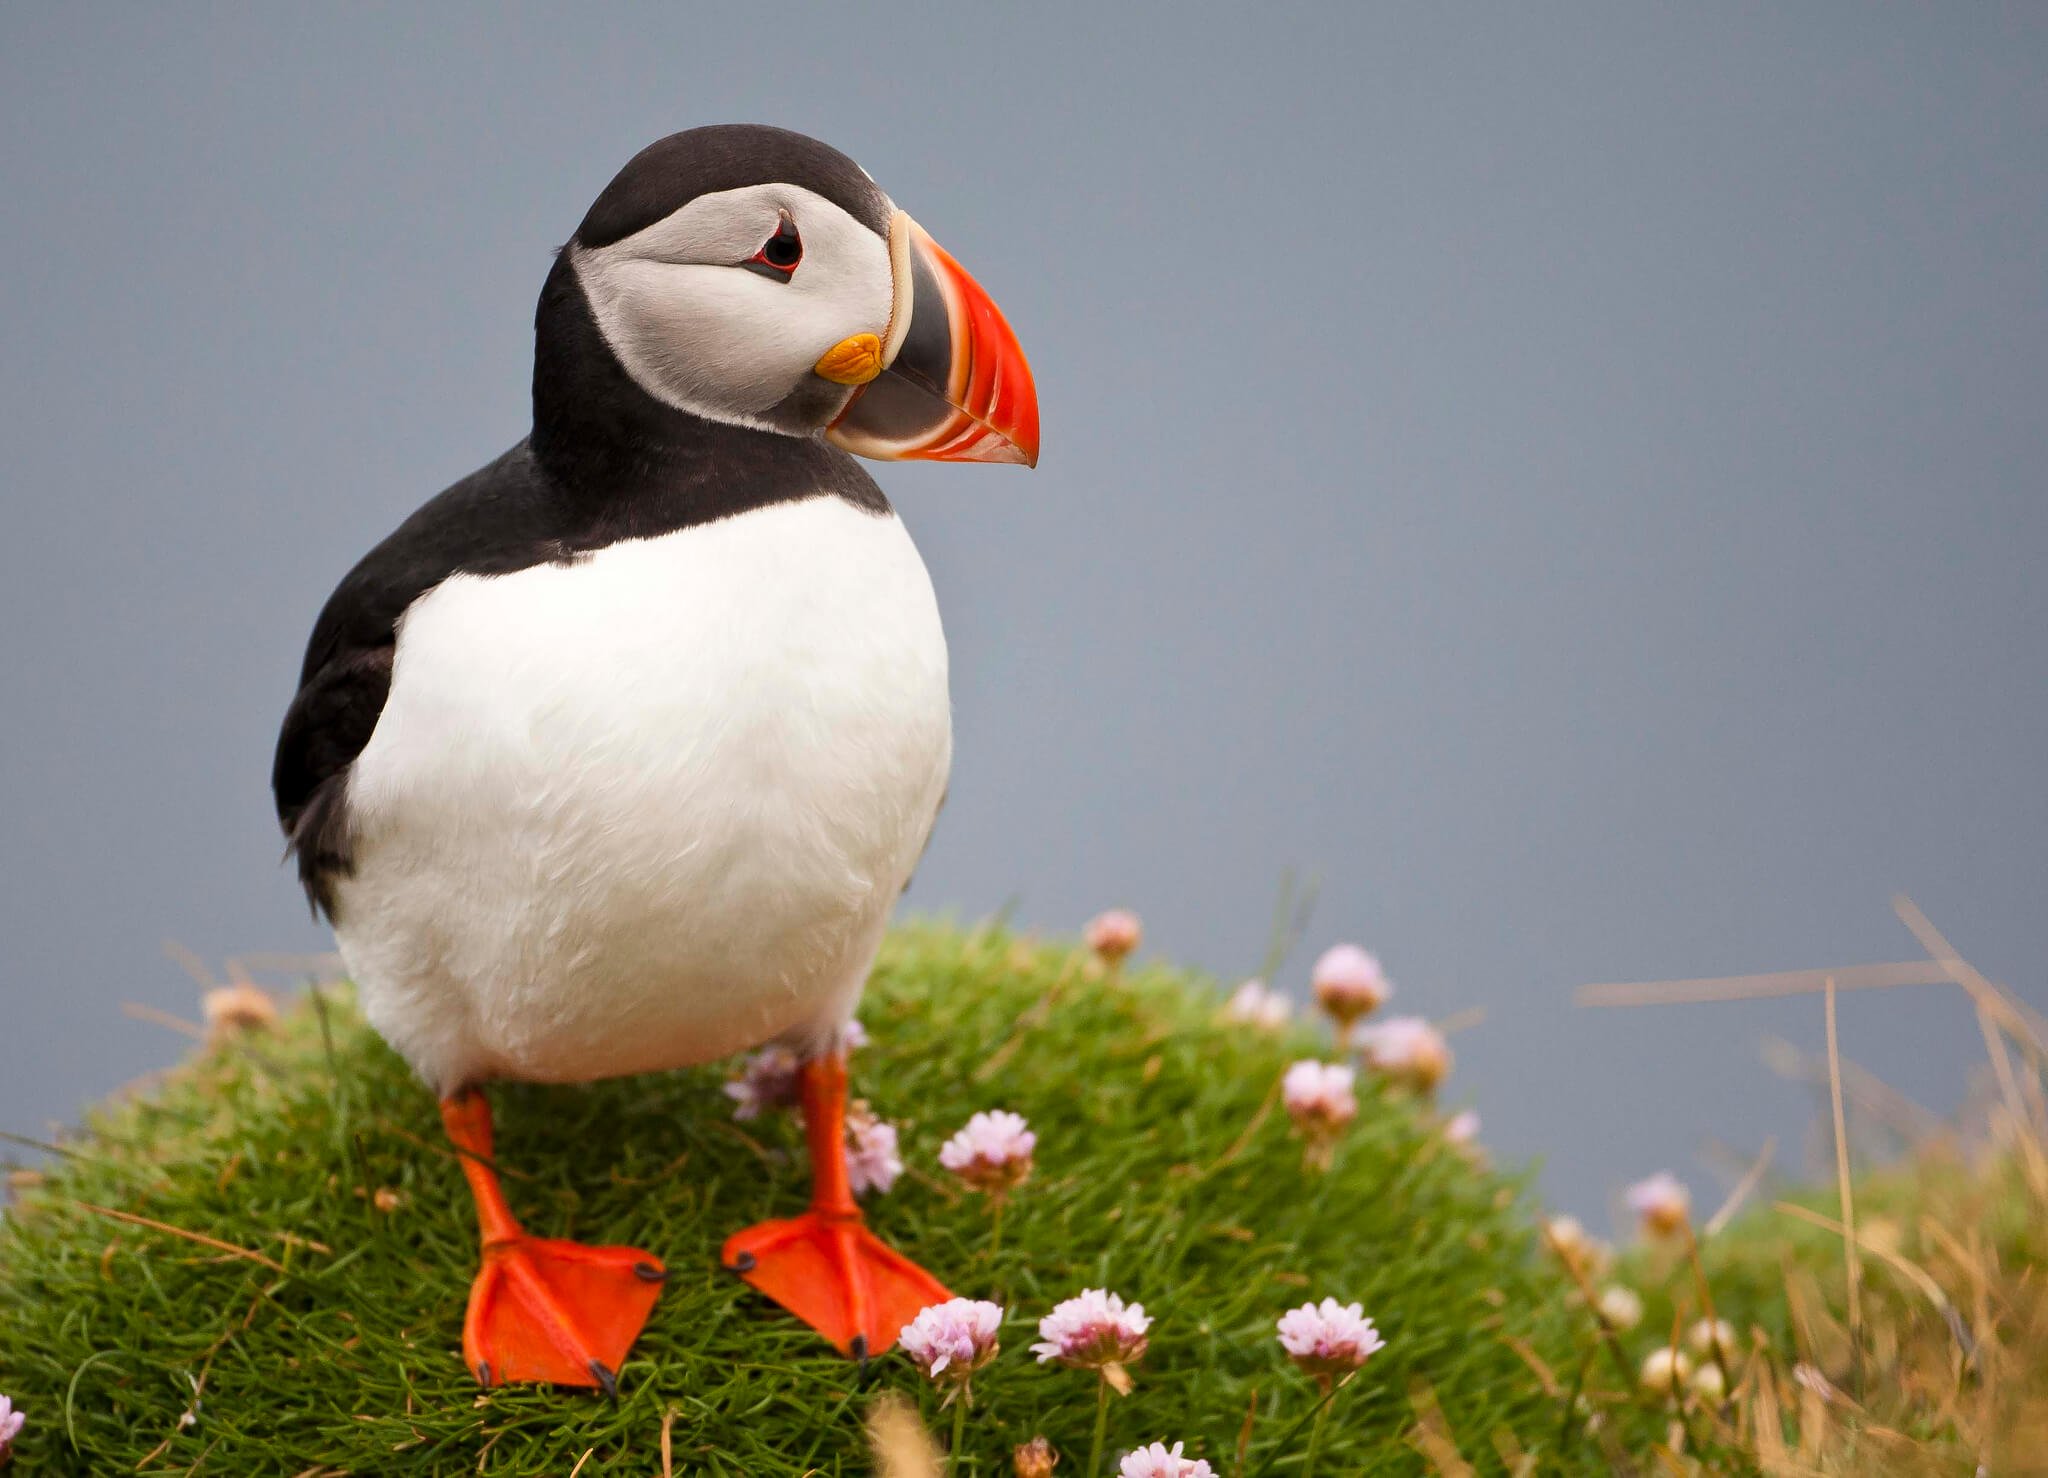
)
(780, 253)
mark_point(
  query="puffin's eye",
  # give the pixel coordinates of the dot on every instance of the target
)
(780, 253)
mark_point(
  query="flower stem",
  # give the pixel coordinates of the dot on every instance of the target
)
(1101, 1427)
(1315, 1439)
(995, 1240)
(959, 1437)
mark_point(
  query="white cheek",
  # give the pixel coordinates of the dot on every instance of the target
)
(710, 337)
(725, 341)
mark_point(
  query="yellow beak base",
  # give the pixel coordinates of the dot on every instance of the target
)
(853, 361)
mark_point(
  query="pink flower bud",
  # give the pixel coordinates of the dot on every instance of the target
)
(1254, 1003)
(1662, 1203)
(239, 1007)
(1034, 1459)
(1114, 934)
(1349, 984)
(1407, 1050)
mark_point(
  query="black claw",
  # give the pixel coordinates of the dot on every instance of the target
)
(483, 1374)
(647, 1272)
(744, 1263)
(605, 1378)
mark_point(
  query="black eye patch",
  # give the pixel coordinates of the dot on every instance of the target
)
(780, 253)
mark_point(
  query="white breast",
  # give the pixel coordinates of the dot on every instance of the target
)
(648, 808)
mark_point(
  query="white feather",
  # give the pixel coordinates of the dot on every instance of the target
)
(649, 808)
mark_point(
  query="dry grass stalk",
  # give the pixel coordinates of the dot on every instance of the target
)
(1852, 1263)
(902, 1446)
(1759, 987)
(1950, 1361)
(1744, 1187)
(1431, 1435)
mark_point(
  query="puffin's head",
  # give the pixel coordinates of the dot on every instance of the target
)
(754, 276)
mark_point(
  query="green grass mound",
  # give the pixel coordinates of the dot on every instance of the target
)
(318, 1332)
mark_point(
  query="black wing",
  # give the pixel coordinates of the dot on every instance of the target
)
(499, 518)
(511, 515)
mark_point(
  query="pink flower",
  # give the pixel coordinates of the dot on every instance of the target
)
(952, 1340)
(993, 1153)
(873, 1160)
(1329, 1339)
(1662, 1202)
(1408, 1050)
(767, 1080)
(1093, 1331)
(1319, 1095)
(238, 1007)
(1157, 1462)
(1463, 1127)
(1320, 1100)
(1349, 984)
(1114, 934)
(1255, 1004)
(11, 1423)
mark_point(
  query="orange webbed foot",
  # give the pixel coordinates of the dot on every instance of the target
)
(543, 1310)
(837, 1276)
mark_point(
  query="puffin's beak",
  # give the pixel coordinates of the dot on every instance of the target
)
(953, 385)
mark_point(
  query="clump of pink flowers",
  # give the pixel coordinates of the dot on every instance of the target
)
(1255, 1003)
(949, 1342)
(771, 1079)
(1159, 1461)
(1320, 1099)
(11, 1423)
(1407, 1050)
(1096, 1330)
(873, 1158)
(1662, 1203)
(1349, 985)
(1113, 935)
(993, 1153)
(1329, 1340)
(767, 1080)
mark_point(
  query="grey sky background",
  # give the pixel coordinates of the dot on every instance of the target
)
(1571, 477)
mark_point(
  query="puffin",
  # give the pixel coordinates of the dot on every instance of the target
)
(615, 756)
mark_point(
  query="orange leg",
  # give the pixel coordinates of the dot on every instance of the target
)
(825, 1266)
(543, 1310)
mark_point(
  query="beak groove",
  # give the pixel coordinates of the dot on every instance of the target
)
(955, 386)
